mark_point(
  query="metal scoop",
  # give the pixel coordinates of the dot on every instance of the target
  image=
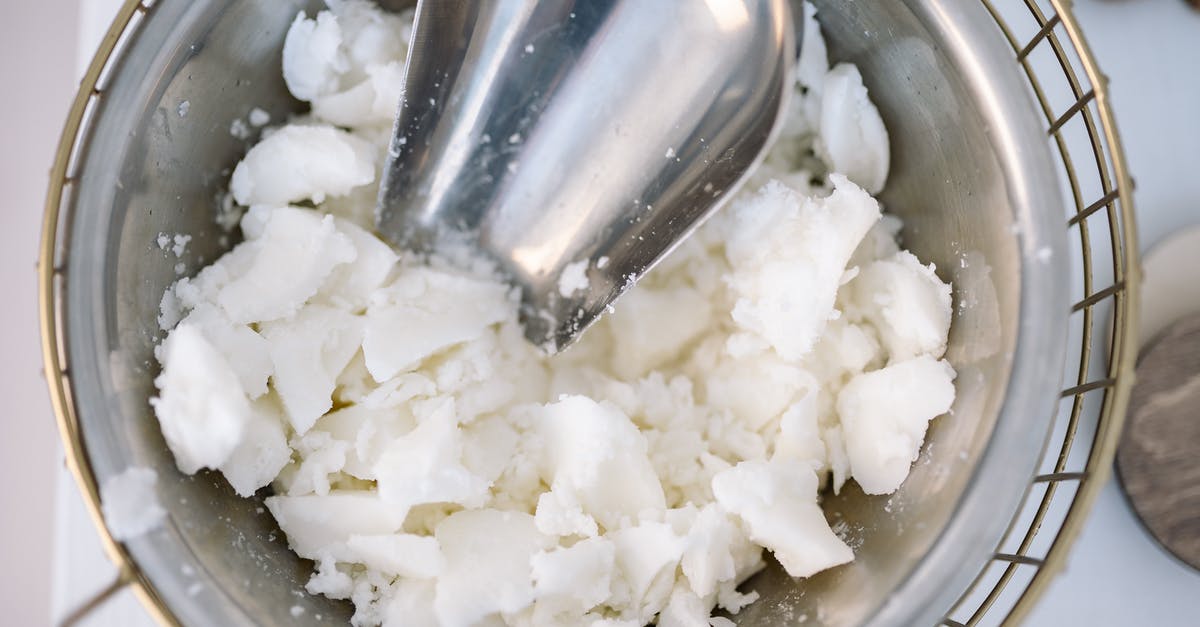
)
(573, 143)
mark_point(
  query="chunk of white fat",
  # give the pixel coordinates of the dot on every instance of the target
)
(757, 390)
(777, 501)
(201, 407)
(426, 310)
(350, 285)
(263, 450)
(411, 603)
(488, 565)
(647, 556)
(297, 163)
(312, 61)
(651, 327)
(321, 526)
(307, 352)
(205, 287)
(686, 609)
(852, 138)
(559, 514)
(348, 62)
(788, 253)
(800, 433)
(573, 279)
(846, 348)
(598, 456)
(297, 251)
(488, 446)
(369, 430)
(906, 302)
(400, 554)
(813, 63)
(371, 102)
(884, 414)
(130, 503)
(244, 350)
(574, 579)
(426, 465)
(712, 548)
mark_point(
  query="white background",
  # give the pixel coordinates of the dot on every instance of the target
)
(1116, 576)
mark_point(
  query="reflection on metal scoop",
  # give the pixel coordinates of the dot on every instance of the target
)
(585, 137)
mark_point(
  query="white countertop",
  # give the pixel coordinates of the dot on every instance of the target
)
(1116, 575)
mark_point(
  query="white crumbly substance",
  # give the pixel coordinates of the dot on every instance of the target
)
(440, 470)
(573, 279)
(258, 117)
(130, 504)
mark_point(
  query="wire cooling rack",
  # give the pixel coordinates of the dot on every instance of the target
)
(1073, 95)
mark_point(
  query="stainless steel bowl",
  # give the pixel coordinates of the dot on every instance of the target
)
(972, 178)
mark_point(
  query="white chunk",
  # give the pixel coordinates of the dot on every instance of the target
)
(778, 504)
(559, 514)
(350, 285)
(321, 457)
(880, 241)
(130, 504)
(906, 302)
(488, 446)
(367, 431)
(373, 101)
(575, 578)
(852, 138)
(598, 456)
(756, 390)
(838, 460)
(686, 609)
(262, 452)
(711, 544)
(846, 348)
(311, 59)
(651, 327)
(488, 554)
(411, 604)
(319, 526)
(426, 310)
(244, 350)
(200, 407)
(573, 279)
(204, 288)
(646, 558)
(813, 63)
(884, 415)
(402, 554)
(330, 580)
(348, 62)
(800, 433)
(425, 466)
(372, 35)
(297, 163)
(297, 251)
(308, 352)
(258, 117)
(788, 254)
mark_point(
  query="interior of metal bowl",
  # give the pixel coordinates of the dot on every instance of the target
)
(971, 177)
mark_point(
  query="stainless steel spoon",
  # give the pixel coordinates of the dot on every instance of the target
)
(573, 143)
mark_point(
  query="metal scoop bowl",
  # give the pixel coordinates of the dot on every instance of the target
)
(573, 143)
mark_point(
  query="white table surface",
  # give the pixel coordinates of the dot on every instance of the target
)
(1116, 575)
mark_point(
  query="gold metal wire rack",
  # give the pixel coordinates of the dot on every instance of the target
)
(1073, 95)
(1062, 74)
